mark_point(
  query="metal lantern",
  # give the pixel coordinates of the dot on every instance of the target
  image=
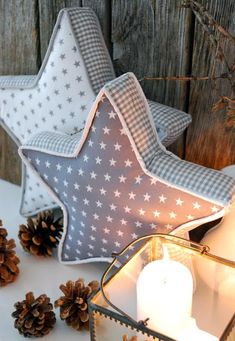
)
(162, 287)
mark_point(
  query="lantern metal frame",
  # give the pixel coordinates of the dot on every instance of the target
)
(120, 316)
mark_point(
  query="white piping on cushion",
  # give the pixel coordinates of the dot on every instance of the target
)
(184, 227)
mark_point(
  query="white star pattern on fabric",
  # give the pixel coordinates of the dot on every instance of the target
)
(172, 215)
(214, 209)
(127, 209)
(107, 177)
(138, 179)
(196, 206)
(106, 130)
(93, 175)
(147, 197)
(132, 195)
(117, 146)
(138, 224)
(113, 216)
(156, 213)
(122, 178)
(128, 163)
(69, 169)
(76, 186)
(117, 193)
(112, 162)
(162, 198)
(102, 145)
(112, 114)
(179, 202)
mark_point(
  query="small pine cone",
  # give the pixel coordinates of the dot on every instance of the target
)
(34, 317)
(73, 305)
(41, 234)
(133, 338)
(8, 260)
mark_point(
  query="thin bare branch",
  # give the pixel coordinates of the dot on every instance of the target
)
(188, 78)
(211, 26)
(199, 8)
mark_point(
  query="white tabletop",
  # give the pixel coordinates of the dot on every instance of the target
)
(37, 275)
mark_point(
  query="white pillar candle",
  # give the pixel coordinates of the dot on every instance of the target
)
(164, 295)
(193, 333)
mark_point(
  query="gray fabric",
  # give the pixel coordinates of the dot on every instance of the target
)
(207, 182)
(123, 91)
(109, 199)
(25, 81)
(58, 143)
(173, 121)
(87, 31)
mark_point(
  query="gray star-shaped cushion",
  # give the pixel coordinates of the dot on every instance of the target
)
(115, 181)
(75, 68)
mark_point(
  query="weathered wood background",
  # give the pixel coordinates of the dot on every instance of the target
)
(148, 37)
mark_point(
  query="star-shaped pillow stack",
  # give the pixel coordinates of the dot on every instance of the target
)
(74, 70)
(116, 182)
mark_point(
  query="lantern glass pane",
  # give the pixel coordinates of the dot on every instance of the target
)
(213, 300)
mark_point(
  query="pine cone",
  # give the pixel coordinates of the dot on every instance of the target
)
(34, 317)
(8, 259)
(41, 234)
(73, 305)
(133, 338)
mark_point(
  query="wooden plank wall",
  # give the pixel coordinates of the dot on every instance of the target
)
(209, 141)
(148, 37)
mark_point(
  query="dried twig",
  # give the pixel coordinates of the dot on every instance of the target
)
(215, 34)
(228, 104)
(211, 26)
(206, 17)
(189, 78)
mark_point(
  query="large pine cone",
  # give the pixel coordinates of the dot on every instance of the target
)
(8, 259)
(34, 317)
(42, 234)
(73, 305)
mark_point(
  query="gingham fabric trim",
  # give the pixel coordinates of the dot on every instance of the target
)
(172, 120)
(54, 142)
(91, 43)
(161, 131)
(129, 100)
(206, 182)
(17, 81)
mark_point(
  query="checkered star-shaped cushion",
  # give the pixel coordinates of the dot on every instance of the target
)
(107, 181)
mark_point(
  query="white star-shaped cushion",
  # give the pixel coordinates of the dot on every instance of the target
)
(129, 188)
(59, 98)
